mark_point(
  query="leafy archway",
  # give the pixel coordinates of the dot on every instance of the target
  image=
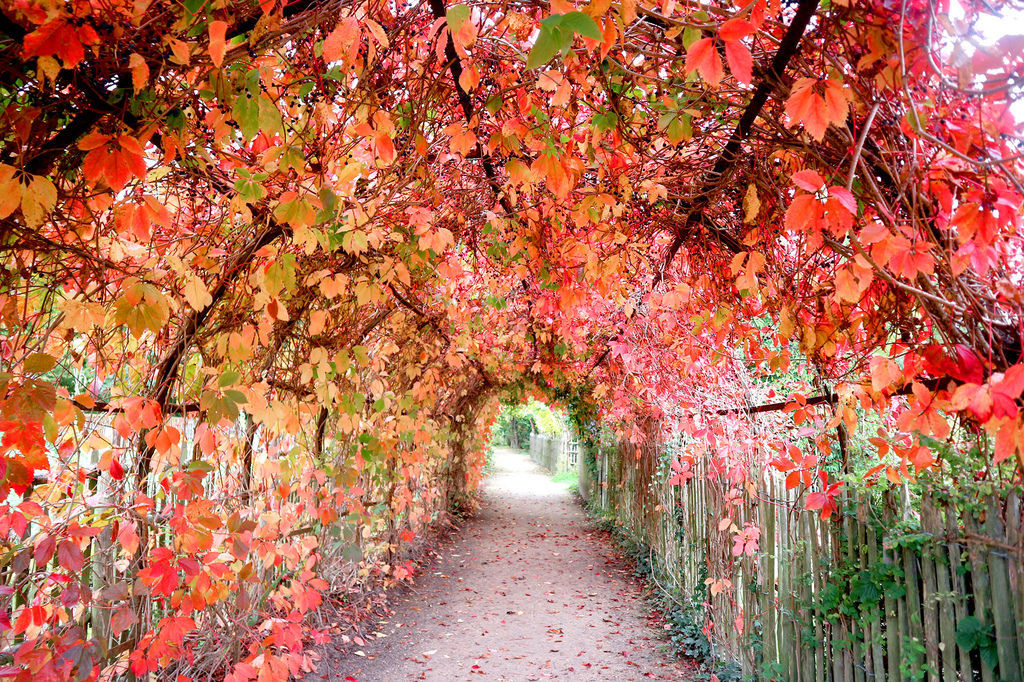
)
(265, 267)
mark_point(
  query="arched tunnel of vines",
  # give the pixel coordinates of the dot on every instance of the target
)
(288, 287)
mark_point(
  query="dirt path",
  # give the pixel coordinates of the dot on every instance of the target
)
(527, 590)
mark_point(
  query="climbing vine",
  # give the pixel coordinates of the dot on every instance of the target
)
(267, 268)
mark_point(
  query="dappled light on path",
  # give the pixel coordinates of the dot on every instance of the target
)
(526, 590)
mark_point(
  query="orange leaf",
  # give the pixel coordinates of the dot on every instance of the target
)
(883, 372)
(217, 44)
(385, 147)
(140, 71)
(847, 285)
(817, 111)
(342, 44)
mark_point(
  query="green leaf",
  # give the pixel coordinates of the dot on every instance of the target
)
(690, 36)
(547, 46)
(247, 113)
(970, 633)
(556, 34)
(990, 656)
(269, 116)
(228, 378)
(581, 24)
(457, 16)
(235, 395)
(352, 553)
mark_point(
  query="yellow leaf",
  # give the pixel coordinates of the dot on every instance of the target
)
(197, 295)
(49, 68)
(38, 199)
(39, 363)
(142, 307)
(751, 204)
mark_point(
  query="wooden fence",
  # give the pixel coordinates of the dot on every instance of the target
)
(890, 588)
(557, 454)
(340, 544)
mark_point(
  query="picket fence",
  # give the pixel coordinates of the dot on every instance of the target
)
(890, 588)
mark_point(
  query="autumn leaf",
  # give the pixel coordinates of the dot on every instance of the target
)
(38, 198)
(122, 619)
(460, 23)
(817, 104)
(39, 363)
(703, 58)
(342, 44)
(737, 54)
(197, 295)
(27, 438)
(10, 190)
(58, 38)
(217, 46)
(140, 71)
(884, 373)
(740, 61)
(751, 204)
(69, 555)
(112, 160)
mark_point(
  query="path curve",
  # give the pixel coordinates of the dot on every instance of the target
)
(527, 590)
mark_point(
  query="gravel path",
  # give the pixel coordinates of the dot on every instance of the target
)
(527, 590)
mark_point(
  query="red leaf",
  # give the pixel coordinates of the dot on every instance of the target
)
(59, 39)
(735, 29)
(44, 550)
(1012, 384)
(703, 58)
(968, 367)
(122, 619)
(808, 180)
(69, 555)
(116, 470)
(844, 197)
(27, 438)
(740, 61)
